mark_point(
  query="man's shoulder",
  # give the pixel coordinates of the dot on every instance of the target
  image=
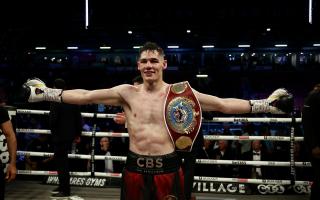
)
(124, 87)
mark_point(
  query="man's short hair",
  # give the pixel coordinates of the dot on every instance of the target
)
(151, 46)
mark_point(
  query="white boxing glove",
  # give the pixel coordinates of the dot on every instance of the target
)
(35, 90)
(279, 102)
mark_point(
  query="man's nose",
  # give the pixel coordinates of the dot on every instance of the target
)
(149, 63)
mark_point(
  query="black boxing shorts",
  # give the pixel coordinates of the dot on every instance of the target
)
(152, 178)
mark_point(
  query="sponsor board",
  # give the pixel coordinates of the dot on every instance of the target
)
(79, 181)
(281, 189)
(245, 188)
(214, 187)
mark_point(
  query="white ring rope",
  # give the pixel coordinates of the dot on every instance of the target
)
(208, 137)
(248, 180)
(45, 112)
(197, 178)
(77, 156)
(84, 133)
(219, 119)
(234, 137)
(101, 174)
(253, 119)
(198, 161)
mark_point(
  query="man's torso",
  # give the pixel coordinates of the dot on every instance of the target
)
(146, 126)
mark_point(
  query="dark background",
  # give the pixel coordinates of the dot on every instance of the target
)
(58, 24)
(224, 23)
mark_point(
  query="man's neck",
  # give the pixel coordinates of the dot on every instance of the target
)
(153, 86)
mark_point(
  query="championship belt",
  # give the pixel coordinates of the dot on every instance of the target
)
(183, 115)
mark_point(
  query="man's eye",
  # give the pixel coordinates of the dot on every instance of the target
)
(151, 61)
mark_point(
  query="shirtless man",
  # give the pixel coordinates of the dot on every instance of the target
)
(152, 169)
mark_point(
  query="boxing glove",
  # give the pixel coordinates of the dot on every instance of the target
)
(35, 90)
(279, 102)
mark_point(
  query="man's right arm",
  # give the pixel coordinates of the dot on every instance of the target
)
(35, 90)
(103, 96)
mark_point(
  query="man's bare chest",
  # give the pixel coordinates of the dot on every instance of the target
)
(149, 108)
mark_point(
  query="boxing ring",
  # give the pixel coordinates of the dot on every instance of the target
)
(202, 183)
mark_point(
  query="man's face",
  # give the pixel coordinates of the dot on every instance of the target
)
(151, 65)
(104, 144)
(256, 145)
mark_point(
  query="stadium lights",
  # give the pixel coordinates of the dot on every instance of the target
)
(105, 47)
(202, 75)
(316, 45)
(173, 47)
(310, 12)
(87, 14)
(207, 46)
(280, 45)
(73, 47)
(137, 47)
(244, 45)
(40, 48)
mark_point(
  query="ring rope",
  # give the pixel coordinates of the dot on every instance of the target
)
(46, 112)
(218, 119)
(197, 178)
(208, 137)
(198, 161)
(76, 156)
(252, 119)
(84, 133)
(100, 174)
(248, 180)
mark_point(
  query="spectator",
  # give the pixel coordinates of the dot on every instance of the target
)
(8, 144)
(66, 125)
(310, 122)
(39, 144)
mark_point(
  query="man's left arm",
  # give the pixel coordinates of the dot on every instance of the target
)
(224, 105)
(279, 102)
(7, 130)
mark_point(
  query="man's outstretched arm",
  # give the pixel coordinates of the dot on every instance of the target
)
(35, 90)
(279, 102)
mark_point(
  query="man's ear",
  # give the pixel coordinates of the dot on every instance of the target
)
(165, 64)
